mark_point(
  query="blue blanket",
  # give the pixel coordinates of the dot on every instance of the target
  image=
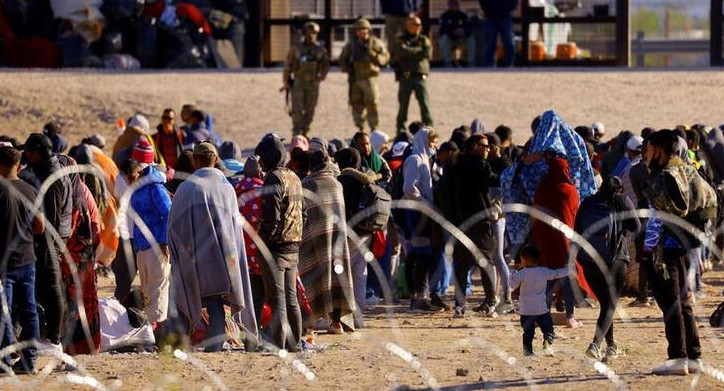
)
(519, 184)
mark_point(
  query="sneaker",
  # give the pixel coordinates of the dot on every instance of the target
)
(437, 302)
(372, 300)
(695, 366)
(594, 351)
(547, 349)
(675, 367)
(613, 352)
(459, 312)
(528, 353)
(424, 305)
(48, 348)
(640, 303)
(335, 329)
(485, 309)
(506, 307)
(574, 324)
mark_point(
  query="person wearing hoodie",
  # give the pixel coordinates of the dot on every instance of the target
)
(370, 158)
(417, 186)
(557, 196)
(196, 130)
(152, 204)
(281, 226)
(465, 192)
(52, 130)
(353, 180)
(324, 265)
(57, 208)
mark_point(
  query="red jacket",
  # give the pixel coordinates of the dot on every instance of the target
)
(557, 196)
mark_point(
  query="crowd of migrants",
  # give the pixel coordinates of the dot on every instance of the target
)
(256, 255)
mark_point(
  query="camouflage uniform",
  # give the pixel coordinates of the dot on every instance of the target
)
(308, 64)
(413, 55)
(362, 60)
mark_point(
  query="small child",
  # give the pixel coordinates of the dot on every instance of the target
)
(532, 281)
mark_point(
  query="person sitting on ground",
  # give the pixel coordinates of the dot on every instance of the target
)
(532, 280)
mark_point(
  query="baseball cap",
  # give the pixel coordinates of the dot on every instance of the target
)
(398, 149)
(205, 148)
(598, 128)
(635, 143)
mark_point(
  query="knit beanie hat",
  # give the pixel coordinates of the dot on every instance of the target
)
(143, 152)
(252, 167)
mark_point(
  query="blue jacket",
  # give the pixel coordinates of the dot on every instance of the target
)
(153, 205)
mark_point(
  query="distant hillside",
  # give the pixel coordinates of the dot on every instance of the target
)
(696, 8)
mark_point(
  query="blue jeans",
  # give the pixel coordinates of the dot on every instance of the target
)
(19, 285)
(568, 297)
(440, 274)
(528, 322)
(504, 27)
(216, 332)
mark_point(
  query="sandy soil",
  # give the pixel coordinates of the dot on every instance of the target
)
(246, 105)
(405, 350)
(398, 349)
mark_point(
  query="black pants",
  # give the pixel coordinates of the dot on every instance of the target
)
(607, 296)
(670, 290)
(418, 265)
(528, 322)
(51, 295)
(124, 269)
(643, 292)
(280, 286)
(463, 262)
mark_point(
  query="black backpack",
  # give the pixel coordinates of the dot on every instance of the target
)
(717, 317)
(598, 213)
(375, 204)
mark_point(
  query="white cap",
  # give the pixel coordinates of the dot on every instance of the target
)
(399, 148)
(141, 122)
(635, 143)
(598, 128)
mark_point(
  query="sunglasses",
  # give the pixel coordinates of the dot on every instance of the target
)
(486, 146)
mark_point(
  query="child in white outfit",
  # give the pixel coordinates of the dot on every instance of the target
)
(532, 281)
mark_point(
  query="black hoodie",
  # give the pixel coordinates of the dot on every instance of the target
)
(282, 201)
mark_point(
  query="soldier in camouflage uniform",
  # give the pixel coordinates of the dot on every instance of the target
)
(414, 52)
(306, 66)
(361, 59)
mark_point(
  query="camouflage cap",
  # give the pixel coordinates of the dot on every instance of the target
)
(362, 24)
(311, 26)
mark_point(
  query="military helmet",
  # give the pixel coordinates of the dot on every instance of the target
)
(362, 23)
(311, 26)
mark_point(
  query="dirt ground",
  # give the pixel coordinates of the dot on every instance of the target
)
(247, 105)
(404, 350)
(398, 349)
